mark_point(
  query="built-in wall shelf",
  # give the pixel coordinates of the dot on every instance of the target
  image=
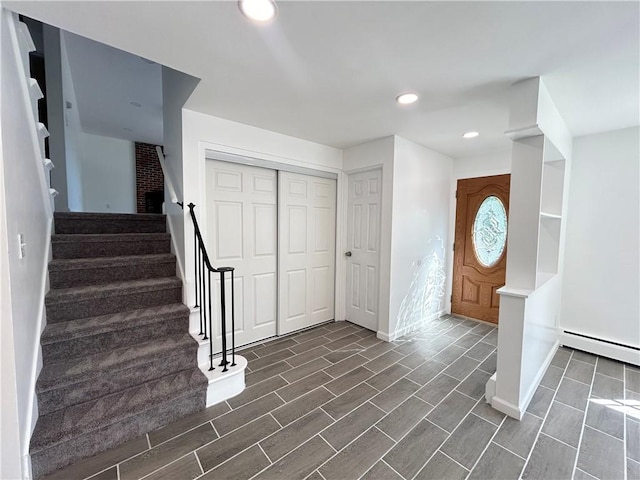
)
(544, 277)
(551, 194)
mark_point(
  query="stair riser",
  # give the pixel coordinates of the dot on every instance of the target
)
(93, 226)
(60, 455)
(81, 347)
(113, 381)
(80, 249)
(84, 308)
(102, 275)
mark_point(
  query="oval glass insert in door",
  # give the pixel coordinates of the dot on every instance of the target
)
(489, 233)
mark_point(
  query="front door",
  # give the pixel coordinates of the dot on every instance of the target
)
(363, 242)
(242, 233)
(480, 257)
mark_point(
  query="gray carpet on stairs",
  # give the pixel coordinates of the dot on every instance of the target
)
(118, 359)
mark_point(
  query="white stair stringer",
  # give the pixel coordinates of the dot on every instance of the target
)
(27, 46)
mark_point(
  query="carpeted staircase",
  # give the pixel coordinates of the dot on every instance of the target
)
(118, 358)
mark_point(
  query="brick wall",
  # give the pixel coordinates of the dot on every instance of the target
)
(149, 177)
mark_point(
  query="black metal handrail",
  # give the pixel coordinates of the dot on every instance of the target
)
(204, 300)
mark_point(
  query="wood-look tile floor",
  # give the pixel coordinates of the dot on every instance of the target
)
(335, 402)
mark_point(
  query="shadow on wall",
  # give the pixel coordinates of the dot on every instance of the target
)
(425, 297)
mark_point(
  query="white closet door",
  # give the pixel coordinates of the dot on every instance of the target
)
(242, 233)
(363, 242)
(307, 231)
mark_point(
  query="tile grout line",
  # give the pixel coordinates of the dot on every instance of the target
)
(572, 407)
(351, 443)
(584, 421)
(559, 441)
(199, 462)
(438, 426)
(212, 426)
(487, 445)
(383, 461)
(555, 393)
(146, 475)
(605, 433)
(276, 420)
(298, 446)
(452, 459)
(263, 452)
(505, 448)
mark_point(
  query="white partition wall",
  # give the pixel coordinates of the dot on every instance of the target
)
(530, 300)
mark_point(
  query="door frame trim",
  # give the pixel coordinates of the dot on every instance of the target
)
(270, 164)
(209, 151)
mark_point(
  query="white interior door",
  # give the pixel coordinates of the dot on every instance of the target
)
(307, 231)
(242, 233)
(363, 243)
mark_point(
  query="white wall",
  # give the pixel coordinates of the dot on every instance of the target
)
(204, 133)
(420, 235)
(71, 135)
(378, 154)
(56, 113)
(27, 211)
(176, 89)
(601, 294)
(495, 163)
(10, 456)
(108, 174)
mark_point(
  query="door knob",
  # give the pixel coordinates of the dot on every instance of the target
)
(348, 254)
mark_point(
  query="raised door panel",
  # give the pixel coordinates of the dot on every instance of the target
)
(241, 231)
(363, 239)
(307, 207)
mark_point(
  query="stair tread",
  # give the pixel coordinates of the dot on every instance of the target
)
(63, 425)
(97, 291)
(103, 262)
(85, 327)
(61, 373)
(107, 237)
(109, 216)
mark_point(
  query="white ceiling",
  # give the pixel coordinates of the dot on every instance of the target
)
(329, 71)
(106, 82)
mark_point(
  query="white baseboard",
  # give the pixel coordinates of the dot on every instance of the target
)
(490, 389)
(604, 349)
(507, 408)
(526, 399)
(400, 332)
(383, 336)
(518, 411)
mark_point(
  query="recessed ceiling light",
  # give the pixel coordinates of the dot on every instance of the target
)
(136, 104)
(470, 135)
(258, 10)
(407, 98)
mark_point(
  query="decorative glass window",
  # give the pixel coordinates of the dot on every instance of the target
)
(489, 232)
